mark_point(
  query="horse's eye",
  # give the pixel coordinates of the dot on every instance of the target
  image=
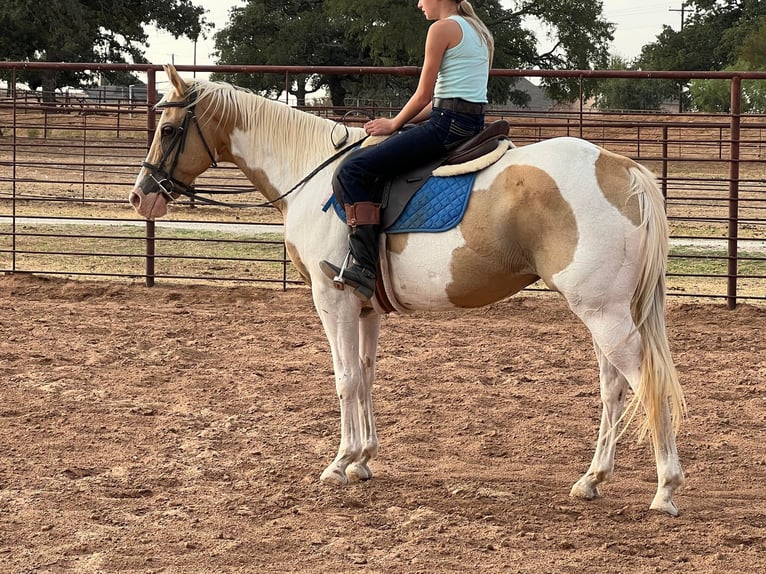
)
(168, 130)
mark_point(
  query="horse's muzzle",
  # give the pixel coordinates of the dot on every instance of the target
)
(149, 206)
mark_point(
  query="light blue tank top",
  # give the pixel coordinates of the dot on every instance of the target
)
(465, 67)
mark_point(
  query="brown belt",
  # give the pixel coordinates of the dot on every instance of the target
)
(458, 105)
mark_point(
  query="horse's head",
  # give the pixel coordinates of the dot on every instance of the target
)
(179, 152)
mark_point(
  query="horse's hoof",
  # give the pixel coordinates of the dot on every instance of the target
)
(334, 476)
(358, 471)
(583, 488)
(663, 504)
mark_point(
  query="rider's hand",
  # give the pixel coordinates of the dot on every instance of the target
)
(380, 127)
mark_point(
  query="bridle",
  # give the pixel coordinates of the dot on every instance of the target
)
(168, 185)
(162, 176)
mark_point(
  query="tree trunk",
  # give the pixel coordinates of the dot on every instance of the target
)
(48, 81)
(337, 91)
(300, 94)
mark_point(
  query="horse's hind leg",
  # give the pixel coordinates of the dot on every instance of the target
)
(669, 473)
(369, 329)
(614, 388)
(618, 340)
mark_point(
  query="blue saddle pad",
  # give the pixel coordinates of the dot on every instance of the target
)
(437, 206)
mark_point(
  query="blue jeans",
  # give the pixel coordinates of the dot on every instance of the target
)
(360, 174)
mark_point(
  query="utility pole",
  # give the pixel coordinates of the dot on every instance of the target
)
(682, 10)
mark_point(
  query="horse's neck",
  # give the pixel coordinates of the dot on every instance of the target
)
(278, 146)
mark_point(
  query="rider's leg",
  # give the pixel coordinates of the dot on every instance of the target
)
(360, 173)
(363, 218)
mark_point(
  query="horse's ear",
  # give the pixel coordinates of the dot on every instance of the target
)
(178, 83)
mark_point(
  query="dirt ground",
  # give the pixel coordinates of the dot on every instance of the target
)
(182, 429)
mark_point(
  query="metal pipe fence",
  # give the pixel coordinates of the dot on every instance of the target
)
(67, 166)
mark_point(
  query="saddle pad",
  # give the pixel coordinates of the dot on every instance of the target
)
(437, 206)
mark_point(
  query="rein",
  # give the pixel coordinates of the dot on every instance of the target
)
(312, 173)
(168, 185)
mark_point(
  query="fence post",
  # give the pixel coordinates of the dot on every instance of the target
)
(665, 165)
(285, 263)
(150, 245)
(733, 228)
(582, 104)
(287, 87)
(151, 99)
(14, 144)
(84, 171)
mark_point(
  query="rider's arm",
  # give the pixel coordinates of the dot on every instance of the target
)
(442, 34)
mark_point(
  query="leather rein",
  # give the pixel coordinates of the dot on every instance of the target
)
(168, 185)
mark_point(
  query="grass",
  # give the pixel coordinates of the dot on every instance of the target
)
(120, 251)
(117, 207)
(693, 270)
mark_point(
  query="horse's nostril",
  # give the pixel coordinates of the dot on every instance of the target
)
(134, 199)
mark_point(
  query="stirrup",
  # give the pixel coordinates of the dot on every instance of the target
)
(338, 281)
(360, 285)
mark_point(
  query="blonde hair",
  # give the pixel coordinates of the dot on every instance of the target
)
(465, 10)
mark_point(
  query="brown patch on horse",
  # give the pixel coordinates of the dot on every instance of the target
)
(613, 174)
(518, 230)
(396, 243)
(295, 257)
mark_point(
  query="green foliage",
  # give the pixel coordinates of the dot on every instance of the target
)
(632, 94)
(710, 95)
(392, 33)
(754, 46)
(88, 31)
(715, 95)
(715, 35)
(290, 32)
(580, 38)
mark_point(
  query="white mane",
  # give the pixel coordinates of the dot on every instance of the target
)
(292, 133)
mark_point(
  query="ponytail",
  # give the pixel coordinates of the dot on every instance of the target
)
(465, 10)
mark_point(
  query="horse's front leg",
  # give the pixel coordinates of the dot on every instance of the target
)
(369, 329)
(352, 339)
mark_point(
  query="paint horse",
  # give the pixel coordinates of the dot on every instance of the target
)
(586, 221)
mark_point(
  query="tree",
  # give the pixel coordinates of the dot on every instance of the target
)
(290, 32)
(392, 33)
(714, 36)
(578, 34)
(109, 31)
(753, 50)
(715, 95)
(717, 35)
(631, 94)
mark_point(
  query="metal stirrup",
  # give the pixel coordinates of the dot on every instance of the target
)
(339, 281)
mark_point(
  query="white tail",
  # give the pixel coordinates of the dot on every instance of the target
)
(659, 378)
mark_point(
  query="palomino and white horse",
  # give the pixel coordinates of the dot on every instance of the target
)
(586, 221)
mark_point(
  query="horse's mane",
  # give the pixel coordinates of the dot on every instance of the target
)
(296, 134)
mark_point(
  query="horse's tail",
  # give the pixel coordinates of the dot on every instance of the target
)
(659, 379)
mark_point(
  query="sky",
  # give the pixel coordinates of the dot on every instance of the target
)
(638, 22)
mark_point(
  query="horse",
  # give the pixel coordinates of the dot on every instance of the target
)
(587, 222)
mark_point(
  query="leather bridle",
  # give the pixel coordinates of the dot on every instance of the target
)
(161, 174)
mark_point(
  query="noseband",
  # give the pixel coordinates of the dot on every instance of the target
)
(162, 176)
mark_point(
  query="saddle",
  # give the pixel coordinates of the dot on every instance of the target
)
(395, 194)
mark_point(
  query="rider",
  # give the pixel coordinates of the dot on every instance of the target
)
(451, 94)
